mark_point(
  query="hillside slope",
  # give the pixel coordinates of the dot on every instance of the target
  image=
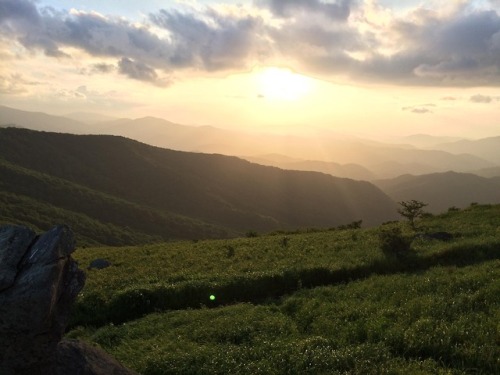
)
(442, 190)
(40, 200)
(220, 190)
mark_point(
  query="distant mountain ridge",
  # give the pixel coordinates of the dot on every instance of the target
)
(324, 151)
(427, 141)
(220, 191)
(41, 121)
(353, 171)
(443, 190)
(486, 148)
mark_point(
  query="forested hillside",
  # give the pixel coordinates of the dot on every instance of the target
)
(122, 182)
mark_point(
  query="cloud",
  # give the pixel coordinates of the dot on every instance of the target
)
(137, 70)
(456, 46)
(211, 41)
(103, 68)
(338, 10)
(420, 110)
(478, 98)
(15, 84)
(91, 32)
(460, 47)
(21, 10)
(91, 98)
(456, 49)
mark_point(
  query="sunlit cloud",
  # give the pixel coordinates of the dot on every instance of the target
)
(15, 84)
(210, 41)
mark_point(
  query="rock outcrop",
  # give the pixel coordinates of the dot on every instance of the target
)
(39, 282)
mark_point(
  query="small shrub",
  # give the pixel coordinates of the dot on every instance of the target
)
(353, 225)
(284, 241)
(393, 242)
(390, 222)
(229, 251)
(252, 233)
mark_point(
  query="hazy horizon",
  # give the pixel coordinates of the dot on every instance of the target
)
(368, 67)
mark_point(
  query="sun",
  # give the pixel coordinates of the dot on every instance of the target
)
(282, 84)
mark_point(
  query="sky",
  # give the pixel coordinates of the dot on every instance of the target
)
(371, 68)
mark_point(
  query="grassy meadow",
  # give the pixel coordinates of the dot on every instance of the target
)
(308, 302)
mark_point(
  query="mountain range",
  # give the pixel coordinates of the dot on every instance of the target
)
(185, 188)
(486, 148)
(173, 194)
(323, 151)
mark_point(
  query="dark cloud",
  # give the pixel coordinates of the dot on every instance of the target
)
(49, 30)
(481, 98)
(22, 19)
(19, 10)
(103, 68)
(210, 41)
(470, 34)
(456, 50)
(337, 10)
(213, 42)
(101, 36)
(137, 70)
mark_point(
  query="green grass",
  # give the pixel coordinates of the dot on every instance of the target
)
(444, 318)
(318, 303)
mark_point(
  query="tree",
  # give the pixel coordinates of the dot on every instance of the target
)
(412, 210)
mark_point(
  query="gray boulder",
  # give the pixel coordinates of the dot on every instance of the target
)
(39, 282)
(14, 241)
(77, 358)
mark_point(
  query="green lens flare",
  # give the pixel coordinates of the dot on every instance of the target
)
(212, 297)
